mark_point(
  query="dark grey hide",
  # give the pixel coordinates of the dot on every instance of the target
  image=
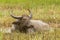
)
(23, 23)
(26, 25)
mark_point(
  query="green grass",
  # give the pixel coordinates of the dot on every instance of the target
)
(29, 3)
(1, 36)
(45, 10)
(37, 36)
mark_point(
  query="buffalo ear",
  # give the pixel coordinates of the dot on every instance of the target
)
(30, 16)
(21, 18)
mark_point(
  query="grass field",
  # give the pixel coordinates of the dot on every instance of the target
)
(45, 10)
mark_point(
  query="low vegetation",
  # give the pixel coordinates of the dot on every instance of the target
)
(45, 10)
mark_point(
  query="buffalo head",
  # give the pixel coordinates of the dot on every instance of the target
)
(24, 18)
(22, 22)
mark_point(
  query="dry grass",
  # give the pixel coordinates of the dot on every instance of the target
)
(47, 11)
(50, 16)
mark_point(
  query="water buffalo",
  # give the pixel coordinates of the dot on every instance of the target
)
(25, 23)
